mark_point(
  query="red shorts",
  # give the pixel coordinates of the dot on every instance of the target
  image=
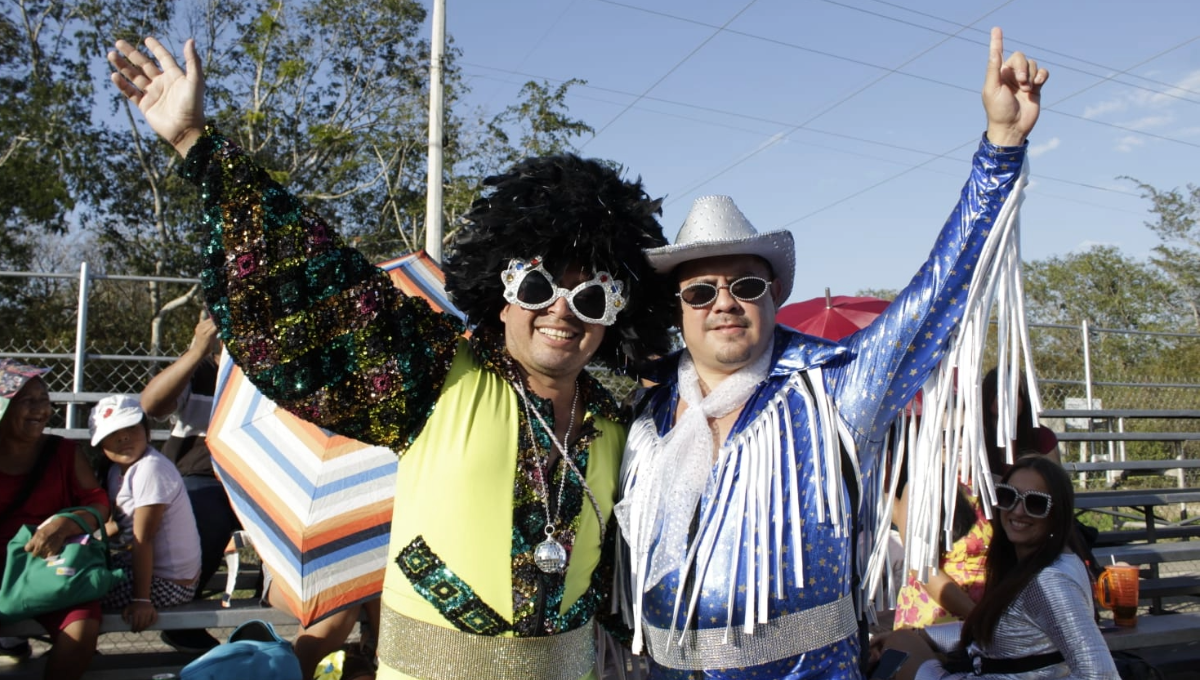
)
(56, 622)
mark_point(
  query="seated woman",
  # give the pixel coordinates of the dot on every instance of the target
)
(40, 475)
(952, 592)
(157, 531)
(1036, 617)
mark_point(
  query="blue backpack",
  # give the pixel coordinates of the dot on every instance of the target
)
(254, 650)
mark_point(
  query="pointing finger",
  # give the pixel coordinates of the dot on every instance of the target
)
(995, 59)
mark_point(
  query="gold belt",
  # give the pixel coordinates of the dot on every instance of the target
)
(779, 638)
(425, 650)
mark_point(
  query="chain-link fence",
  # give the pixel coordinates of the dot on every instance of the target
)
(1116, 368)
(103, 341)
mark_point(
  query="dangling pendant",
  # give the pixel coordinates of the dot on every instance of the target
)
(549, 555)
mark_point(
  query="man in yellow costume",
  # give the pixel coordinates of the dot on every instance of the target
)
(509, 451)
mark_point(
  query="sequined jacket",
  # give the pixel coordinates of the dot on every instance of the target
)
(1052, 614)
(780, 549)
(322, 332)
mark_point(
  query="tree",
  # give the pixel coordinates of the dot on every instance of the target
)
(1179, 253)
(330, 96)
(48, 140)
(1109, 290)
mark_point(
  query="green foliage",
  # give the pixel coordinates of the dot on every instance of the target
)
(881, 293)
(1179, 253)
(541, 119)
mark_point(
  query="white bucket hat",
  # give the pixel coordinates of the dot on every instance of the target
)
(716, 227)
(113, 413)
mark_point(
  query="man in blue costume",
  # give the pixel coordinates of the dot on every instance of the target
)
(743, 470)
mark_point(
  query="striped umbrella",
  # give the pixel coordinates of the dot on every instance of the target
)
(317, 506)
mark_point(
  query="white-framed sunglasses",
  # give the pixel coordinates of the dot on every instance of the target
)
(597, 300)
(1037, 504)
(746, 289)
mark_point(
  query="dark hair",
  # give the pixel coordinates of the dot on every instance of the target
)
(567, 210)
(1007, 576)
(1026, 432)
(964, 512)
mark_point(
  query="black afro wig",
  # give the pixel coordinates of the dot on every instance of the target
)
(566, 209)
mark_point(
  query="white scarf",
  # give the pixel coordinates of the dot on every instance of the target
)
(668, 488)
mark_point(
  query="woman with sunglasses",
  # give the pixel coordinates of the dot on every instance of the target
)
(1035, 620)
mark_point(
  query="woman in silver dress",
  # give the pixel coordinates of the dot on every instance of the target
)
(1036, 619)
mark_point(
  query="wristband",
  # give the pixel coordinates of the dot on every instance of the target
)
(139, 599)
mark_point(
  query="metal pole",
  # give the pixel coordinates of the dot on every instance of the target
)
(1087, 381)
(80, 341)
(433, 201)
(1087, 364)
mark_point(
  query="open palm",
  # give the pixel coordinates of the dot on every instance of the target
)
(171, 100)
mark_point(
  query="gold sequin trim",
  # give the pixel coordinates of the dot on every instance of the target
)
(425, 650)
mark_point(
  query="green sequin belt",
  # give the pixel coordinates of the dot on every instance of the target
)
(425, 650)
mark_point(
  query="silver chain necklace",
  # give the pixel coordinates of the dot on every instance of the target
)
(550, 556)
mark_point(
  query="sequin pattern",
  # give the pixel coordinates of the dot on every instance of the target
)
(886, 364)
(314, 325)
(442, 588)
(323, 332)
(537, 596)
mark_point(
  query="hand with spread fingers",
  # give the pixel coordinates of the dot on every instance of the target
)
(171, 99)
(1012, 94)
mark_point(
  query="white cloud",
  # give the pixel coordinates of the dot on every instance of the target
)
(1039, 149)
(1145, 99)
(1129, 143)
(1149, 122)
(1097, 110)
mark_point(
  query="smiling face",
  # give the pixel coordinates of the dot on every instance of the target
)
(730, 333)
(552, 344)
(125, 446)
(1026, 533)
(28, 413)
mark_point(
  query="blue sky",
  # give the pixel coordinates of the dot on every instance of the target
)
(852, 122)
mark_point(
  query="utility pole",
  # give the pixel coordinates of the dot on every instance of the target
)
(433, 182)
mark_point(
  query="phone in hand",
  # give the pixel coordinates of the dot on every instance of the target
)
(889, 664)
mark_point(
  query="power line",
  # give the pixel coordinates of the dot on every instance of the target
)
(828, 133)
(889, 71)
(664, 76)
(1042, 62)
(1039, 48)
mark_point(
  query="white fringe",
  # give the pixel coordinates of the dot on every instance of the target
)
(949, 445)
(760, 456)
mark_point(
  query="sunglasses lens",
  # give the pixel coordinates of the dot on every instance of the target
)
(748, 288)
(699, 294)
(1006, 498)
(590, 302)
(1037, 505)
(535, 289)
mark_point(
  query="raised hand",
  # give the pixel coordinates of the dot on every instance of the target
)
(171, 100)
(1012, 94)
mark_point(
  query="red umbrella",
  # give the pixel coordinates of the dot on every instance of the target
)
(832, 318)
(835, 317)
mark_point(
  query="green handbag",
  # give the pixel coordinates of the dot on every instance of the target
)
(80, 573)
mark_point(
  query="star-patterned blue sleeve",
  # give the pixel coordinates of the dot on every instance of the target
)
(891, 358)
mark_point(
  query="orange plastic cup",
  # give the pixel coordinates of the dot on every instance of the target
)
(1118, 590)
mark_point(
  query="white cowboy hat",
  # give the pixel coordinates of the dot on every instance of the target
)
(716, 227)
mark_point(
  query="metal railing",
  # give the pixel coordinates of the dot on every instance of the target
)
(81, 364)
